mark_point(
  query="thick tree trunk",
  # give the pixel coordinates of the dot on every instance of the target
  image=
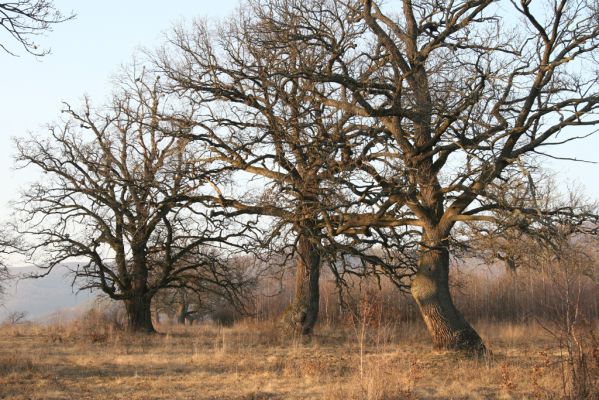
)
(139, 314)
(138, 305)
(430, 288)
(302, 314)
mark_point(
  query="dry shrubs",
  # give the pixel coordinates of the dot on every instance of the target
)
(96, 325)
(580, 364)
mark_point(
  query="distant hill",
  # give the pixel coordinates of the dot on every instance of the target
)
(44, 298)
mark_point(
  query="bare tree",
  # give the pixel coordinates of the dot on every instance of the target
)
(16, 317)
(464, 92)
(271, 129)
(534, 218)
(115, 200)
(561, 250)
(4, 277)
(25, 20)
(6, 245)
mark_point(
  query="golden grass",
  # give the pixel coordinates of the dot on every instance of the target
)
(251, 361)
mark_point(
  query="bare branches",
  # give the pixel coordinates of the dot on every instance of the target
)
(25, 20)
(455, 84)
(123, 198)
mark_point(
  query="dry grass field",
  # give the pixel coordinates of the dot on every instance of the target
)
(250, 361)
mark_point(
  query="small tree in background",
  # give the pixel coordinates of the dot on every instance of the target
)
(197, 295)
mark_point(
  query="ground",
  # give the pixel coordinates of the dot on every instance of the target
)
(251, 361)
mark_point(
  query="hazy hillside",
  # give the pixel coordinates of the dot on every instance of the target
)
(43, 297)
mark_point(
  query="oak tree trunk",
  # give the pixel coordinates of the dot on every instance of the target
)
(430, 288)
(303, 312)
(139, 314)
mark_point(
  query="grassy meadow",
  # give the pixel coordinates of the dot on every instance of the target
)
(375, 348)
(252, 361)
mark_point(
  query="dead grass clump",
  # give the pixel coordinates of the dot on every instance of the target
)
(317, 364)
(16, 364)
(384, 378)
(262, 333)
(94, 326)
(98, 326)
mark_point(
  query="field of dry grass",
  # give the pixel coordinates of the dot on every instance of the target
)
(250, 361)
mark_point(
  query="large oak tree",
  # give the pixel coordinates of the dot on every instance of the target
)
(268, 128)
(272, 130)
(464, 92)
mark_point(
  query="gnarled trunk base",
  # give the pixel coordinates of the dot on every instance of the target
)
(430, 288)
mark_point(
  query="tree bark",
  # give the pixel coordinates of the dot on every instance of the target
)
(430, 288)
(139, 314)
(302, 314)
(139, 303)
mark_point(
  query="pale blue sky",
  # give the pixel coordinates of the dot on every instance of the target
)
(89, 49)
(86, 52)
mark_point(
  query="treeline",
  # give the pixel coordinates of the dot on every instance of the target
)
(483, 295)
